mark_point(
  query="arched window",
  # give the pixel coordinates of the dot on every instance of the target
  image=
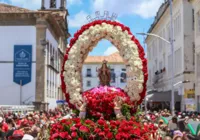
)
(52, 3)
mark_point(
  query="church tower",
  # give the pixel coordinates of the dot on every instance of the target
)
(53, 5)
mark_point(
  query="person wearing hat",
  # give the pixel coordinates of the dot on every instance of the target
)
(17, 135)
(160, 122)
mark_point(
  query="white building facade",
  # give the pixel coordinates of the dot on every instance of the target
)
(47, 32)
(159, 53)
(10, 91)
(90, 77)
(196, 11)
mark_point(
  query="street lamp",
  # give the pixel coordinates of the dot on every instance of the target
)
(150, 34)
(171, 42)
(181, 82)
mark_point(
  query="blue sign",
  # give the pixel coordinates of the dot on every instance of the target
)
(22, 64)
(61, 102)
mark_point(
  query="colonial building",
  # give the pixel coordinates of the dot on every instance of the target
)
(159, 55)
(196, 12)
(33, 44)
(92, 63)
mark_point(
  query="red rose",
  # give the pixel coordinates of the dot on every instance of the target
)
(101, 122)
(76, 120)
(106, 130)
(55, 135)
(101, 134)
(97, 130)
(118, 137)
(88, 122)
(109, 135)
(78, 125)
(74, 134)
(73, 128)
(84, 129)
(63, 135)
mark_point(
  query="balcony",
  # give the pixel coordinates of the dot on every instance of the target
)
(159, 76)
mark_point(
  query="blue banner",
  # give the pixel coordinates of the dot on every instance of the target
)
(22, 64)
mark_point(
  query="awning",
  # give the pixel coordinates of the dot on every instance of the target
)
(162, 97)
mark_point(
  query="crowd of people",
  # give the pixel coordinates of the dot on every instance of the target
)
(35, 125)
(177, 127)
(30, 125)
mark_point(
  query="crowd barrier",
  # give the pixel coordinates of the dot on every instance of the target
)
(16, 108)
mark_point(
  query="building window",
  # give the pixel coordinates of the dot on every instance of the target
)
(113, 76)
(156, 64)
(149, 77)
(53, 4)
(89, 73)
(198, 21)
(123, 76)
(168, 31)
(193, 19)
(160, 44)
(178, 61)
(160, 65)
(198, 68)
(88, 83)
(154, 48)
(149, 53)
(163, 42)
(164, 61)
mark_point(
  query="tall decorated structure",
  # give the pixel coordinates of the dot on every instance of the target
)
(104, 112)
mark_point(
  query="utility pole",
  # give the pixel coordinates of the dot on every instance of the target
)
(172, 51)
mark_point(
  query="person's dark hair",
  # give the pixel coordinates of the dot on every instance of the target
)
(187, 130)
(174, 120)
(41, 112)
(9, 120)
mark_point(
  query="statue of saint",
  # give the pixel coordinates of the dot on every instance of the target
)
(104, 74)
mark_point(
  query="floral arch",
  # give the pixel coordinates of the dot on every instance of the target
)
(85, 40)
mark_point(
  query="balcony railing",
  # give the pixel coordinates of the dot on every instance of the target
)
(159, 76)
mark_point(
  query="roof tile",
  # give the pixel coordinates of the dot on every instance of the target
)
(5, 8)
(113, 58)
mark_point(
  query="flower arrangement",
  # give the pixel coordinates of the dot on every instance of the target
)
(100, 102)
(76, 129)
(85, 40)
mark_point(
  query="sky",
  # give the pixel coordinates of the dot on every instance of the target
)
(138, 15)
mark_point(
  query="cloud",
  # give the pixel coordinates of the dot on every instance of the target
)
(110, 50)
(28, 4)
(74, 2)
(143, 8)
(77, 20)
